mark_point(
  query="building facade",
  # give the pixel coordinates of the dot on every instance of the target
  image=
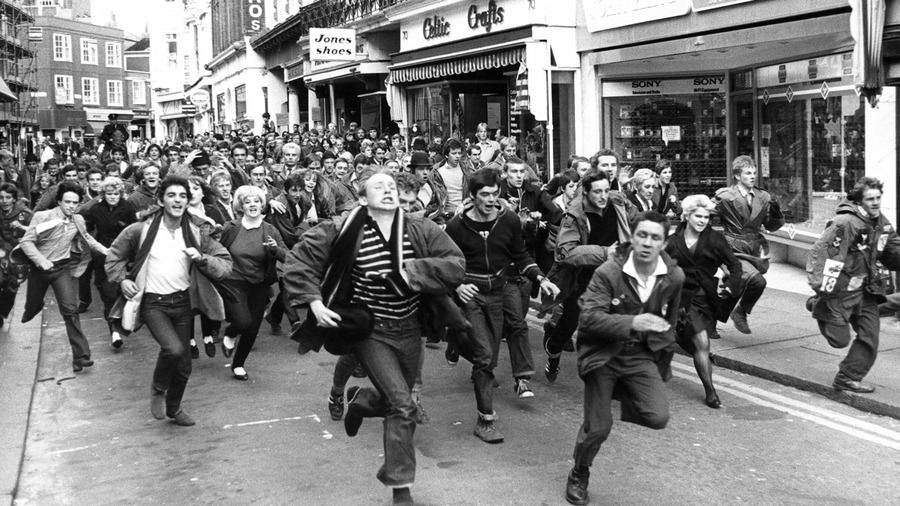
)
(137, 88)
(83, 68)
(700, 82)
(17, 78)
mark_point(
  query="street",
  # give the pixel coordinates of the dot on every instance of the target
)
(92, 439)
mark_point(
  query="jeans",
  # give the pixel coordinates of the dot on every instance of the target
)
(84, 284)
(864, 349)
(343, 370)
(516, 294)
(632, 378)
(391, 358)
(567, 322)
(245, 316)
(279, 309)
(481, 344)
(170, 320)
(753, 284)
(13, 275)
(65, 288)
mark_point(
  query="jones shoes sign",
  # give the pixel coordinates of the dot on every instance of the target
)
(332, 44)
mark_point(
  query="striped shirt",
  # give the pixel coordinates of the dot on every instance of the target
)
(374, 259)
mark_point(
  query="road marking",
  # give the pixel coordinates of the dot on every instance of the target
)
(70, 450)
(841, 423)
(264, 422)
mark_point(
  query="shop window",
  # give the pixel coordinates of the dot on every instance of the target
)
(812, 138)
(430, 111)
(681, 120)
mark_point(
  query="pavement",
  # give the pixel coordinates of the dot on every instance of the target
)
(785, 347)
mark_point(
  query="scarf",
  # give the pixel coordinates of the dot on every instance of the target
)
(147, 241)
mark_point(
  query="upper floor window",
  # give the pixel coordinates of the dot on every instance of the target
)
(113, 93)
(90, 90)
(138, 92)
(113, 54)
(89, 51)
(62, 47)
(65, 89)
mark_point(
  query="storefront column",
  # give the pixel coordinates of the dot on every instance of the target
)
(881, 148)
(587, 137)
(313, 102)
(293, 107)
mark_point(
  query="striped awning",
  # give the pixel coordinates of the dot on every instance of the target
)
(473, 63)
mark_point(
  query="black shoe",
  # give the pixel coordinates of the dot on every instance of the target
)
(451, 355)
(551, 370)
(353, 419)
(858, 387)
(240, 373)
(80, 363)
(569, 346)
(433, 342)
(712, 400)
(157, 403)
(210, 348)
(82, 308)
(183, 419)
(713, 333)
(226, 351)
(402, 497)
(195, 352)
(576, 487)
(336, 406)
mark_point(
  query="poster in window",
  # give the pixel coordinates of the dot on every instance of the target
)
(493, 114)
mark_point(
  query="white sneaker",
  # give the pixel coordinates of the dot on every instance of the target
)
(522, 389)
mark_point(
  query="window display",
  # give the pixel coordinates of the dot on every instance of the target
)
(682, 120)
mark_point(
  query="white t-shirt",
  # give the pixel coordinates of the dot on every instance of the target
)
(168, 268)
(453, 180)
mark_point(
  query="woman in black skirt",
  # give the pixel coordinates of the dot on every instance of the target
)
(699, 251)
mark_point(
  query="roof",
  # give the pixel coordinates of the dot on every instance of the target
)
(141, 45)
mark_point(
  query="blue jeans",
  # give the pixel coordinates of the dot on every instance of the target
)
(516, 294)
(390, 356)
(170, 320)
(481, 344)
(65, 288)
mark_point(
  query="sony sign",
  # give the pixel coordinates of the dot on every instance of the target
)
(254, 16)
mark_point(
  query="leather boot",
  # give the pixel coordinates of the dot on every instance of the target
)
(576, 486)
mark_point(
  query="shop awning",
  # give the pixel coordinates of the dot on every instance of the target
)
(6, 94)
(354, 69)
(419, 72)
(867, 28)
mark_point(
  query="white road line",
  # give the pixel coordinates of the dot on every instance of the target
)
(756, 391)
(860, 434)
(70, 450)
(265, 422)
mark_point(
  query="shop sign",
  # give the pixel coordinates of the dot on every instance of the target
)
(705, 5)
(295, 72)
(802, 71)
(332, 44)
(200, 98)
(608, 14)
(656, 86)
(254, 16)
(478, 17)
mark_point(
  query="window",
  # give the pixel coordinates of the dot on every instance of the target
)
(240, 101)
(220, 107)
(113, 54)
(89, 51)
(172, 43)
(62, 47)
(138, 92)
(65, 90)
(90, 90)
(114, 93)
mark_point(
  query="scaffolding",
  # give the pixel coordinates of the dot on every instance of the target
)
(18, 71)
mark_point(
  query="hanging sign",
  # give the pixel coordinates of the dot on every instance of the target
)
(332, 44)
(254, 16)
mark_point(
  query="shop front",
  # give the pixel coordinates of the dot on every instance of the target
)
(757, 83)
(507, 63)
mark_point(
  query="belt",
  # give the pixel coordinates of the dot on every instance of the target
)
(164, 297)
(633, 347)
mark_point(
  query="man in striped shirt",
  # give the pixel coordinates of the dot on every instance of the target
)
(397, 259)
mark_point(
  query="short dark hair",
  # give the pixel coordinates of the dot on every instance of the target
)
(94, 170)
(654, 216)
(295, 180)
(111, 166)
(859, 189)
(10, 189)
(592, 176)
(451, 144)
(173, 180)
(482, 178)
(513, 160)
(69, 186)
(237, 145)
(407, 182)
(118, 149)
(661, 165)
(68, 168)
(595, 160)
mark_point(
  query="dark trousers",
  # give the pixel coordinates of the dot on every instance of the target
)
(245, 316)
(481, 344)
(634, 377)
(170, 320)
(109, 292)
(343, 369)
(753, 284)
(390, 357)
(84, 284)
(209, 327)
(567, 323)
(279, 309)
(13, 276)
(864, 349)
(65, 288)
(516, 294)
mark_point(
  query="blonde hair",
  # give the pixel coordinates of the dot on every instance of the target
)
(112, 183)
(693, 202)
(640, 176)
(245, 192)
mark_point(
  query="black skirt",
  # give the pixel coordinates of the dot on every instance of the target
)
(699, 317)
